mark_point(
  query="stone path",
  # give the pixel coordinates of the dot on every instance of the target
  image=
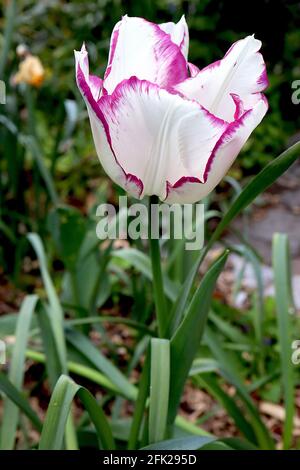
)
(277, 210)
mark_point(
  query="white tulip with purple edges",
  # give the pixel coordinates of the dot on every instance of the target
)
(163, 127)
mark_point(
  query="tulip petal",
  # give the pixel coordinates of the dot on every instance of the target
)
(142, 49)
(241, 72)
(159, 136)
(187, 190)
(194, 70)
(90, 87)
(179, 34)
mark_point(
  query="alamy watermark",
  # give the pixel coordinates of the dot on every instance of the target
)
(2, 92)
(296, 93)
(296, 352)
(2, 352)
(176, 221)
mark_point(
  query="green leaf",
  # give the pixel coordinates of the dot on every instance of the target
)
(186, 340)
(18, 399)
(265, 178)
(31, 143)
(67, 226)
(95, 357)
(184, 294)
(228, 371)
(211, 384)
(56, 313)
(203, 365)
(8, 324)
(58, 411)
(238, 444)
(16, 372)
(182, 443)
(142, 263)
(79, 369)
(140, 404)
(282, 277)
(257, 185)
(159, 388)
(53, 364)
(56, 320)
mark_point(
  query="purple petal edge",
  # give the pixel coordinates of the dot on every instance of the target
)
(84, 87)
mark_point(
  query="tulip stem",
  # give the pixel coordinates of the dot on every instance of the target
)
(158, 287)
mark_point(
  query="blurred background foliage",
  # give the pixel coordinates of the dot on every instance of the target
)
(46, 149)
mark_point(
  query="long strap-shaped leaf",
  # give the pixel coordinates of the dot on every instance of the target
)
(95, 357)
(211, 384)
(264, 438)
(16, 372)
(186, 341)
(281, 266)
(79, 369)
(257, 185)
(56, 309)
(182, 443)
(159, 388)
(11, 392)
(56, 346)
(142, 263)
(58, 411)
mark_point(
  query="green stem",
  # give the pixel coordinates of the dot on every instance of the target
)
(158, 288)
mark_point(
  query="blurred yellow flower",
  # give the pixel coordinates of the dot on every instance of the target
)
(31, 71)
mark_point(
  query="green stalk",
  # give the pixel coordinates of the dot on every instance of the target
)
(10, 16)
(158, 288)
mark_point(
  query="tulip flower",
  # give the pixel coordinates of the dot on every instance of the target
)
(163, 127)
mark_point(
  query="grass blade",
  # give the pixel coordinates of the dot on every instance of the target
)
(95, 357)
(18, 399)
(281, 266)
(211, 384)
(142, 263)
(56, 314)
(58, 411)
(140, 404)
(16, 372)
(81, 370)
(159, 388)
(188, 335)
(182, 443)
(265, 178)
(263, 437)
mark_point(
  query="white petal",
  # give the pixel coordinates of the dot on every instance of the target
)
(140, 48)
(241, 72)
(94, 83)
(88, 86)
(194, 70)
(159, 136)
(179, 34)
(224, 154)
